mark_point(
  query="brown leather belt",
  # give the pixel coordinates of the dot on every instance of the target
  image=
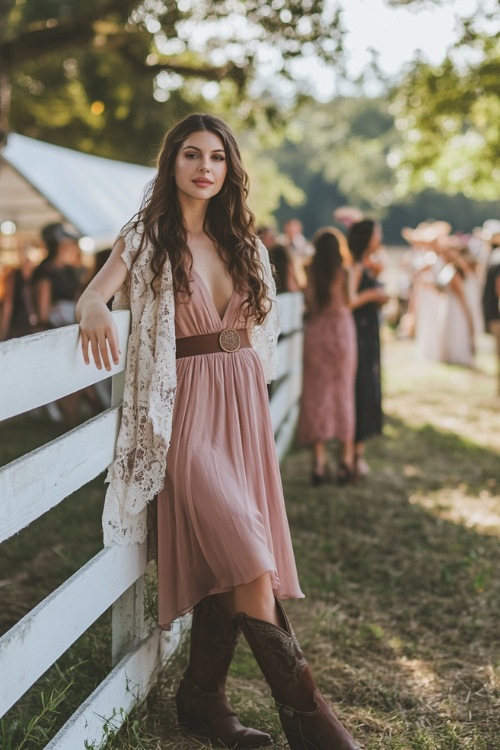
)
(229, 340)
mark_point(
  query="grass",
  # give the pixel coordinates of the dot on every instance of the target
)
(34, 563)
(400, 624)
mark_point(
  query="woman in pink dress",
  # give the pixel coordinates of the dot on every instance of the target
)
(327, 409)
(196, 431)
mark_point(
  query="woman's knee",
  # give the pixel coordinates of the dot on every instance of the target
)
(255, 598)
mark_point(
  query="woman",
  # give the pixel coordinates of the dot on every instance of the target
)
(201, 295)
(57, 283)
(491, 294)
(327, 405)
(57, 280)
(366, 295)
(454, 324)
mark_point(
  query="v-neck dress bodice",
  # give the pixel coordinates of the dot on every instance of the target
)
(199, 314)
(221, 514)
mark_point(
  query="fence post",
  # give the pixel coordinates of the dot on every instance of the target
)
(127, 615)
(127, 620)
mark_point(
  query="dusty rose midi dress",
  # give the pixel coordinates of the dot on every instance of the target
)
(327, 408)
(221, 513)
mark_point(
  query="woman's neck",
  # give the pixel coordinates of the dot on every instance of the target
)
(194, 213)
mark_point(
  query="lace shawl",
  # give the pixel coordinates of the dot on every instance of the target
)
(138, 470)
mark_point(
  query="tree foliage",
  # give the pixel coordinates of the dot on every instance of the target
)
(339, 153)
(346, 143)
(109, 75)
(449, 117)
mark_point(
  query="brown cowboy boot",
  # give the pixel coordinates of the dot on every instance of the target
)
(307, 720)
(201, 700)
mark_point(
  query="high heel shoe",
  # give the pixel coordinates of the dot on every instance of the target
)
(361, 468)
(345, 474)
(317, 479)
(320, 478)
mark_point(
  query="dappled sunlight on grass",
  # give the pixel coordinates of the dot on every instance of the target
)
(450, 398)
(460, 507)
(424, 676)
(402, 569)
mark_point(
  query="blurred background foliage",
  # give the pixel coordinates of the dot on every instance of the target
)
(449, 118)
(108, 77)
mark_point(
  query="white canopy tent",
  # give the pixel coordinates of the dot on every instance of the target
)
(41, 183)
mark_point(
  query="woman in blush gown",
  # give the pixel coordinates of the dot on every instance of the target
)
(327, 404)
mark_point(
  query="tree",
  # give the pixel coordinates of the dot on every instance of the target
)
(92, 73)
(336, 153)
(109, 76)
(74, 69)
(449, 118)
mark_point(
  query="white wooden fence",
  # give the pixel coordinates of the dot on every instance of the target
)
(36, 370)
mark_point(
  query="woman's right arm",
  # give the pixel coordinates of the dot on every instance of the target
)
(97, 327)
(358, 299)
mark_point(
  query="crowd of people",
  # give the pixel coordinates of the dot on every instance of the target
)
(448, 294)
(449, 291)
(42, 296)
(342, 397)
(38, 297)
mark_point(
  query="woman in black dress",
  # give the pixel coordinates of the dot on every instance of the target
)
(58, 279)
(366, 297)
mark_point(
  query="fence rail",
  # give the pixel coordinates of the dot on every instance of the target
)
(28, 490)
(34, 371)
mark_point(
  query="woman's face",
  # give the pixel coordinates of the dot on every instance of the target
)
(200, 166)
(69, 252)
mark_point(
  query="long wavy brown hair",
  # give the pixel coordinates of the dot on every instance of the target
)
(359, 238)
(228, 221)
(330, 259)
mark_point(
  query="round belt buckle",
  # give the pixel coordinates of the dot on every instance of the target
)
(229, 340)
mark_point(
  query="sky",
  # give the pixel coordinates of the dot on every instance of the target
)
(396, 34)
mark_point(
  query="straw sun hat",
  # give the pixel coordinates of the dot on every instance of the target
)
(427, 232)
